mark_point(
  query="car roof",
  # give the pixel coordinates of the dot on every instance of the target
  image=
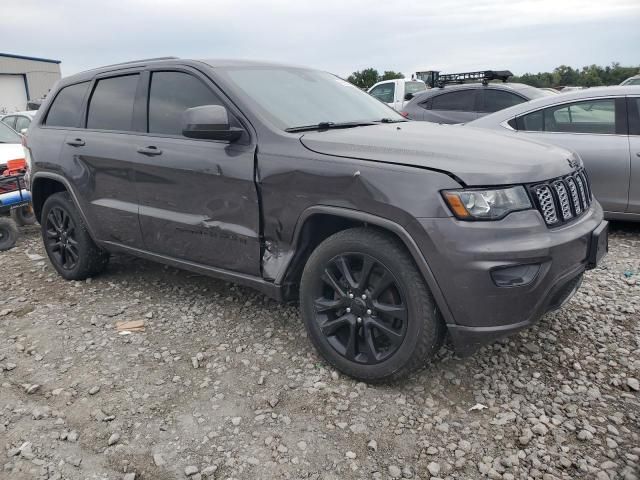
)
(574, 95)
(213, 63)
(522, 88)
(26, 113)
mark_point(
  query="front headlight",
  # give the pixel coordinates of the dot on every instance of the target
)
(486, 204)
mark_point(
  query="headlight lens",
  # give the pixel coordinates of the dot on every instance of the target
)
(486, 204)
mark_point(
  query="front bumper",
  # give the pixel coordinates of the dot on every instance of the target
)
(462, 256)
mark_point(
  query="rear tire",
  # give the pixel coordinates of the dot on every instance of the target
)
(8, 234)
(70, 248)
(23, 216)
(364, 329)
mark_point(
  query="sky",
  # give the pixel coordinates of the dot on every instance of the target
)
(335, 35)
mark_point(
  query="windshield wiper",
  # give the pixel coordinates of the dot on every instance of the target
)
(391, 120)
(328, 125)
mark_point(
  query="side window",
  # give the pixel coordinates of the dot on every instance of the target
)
(170, 94)
(22, 123)
(461, 100)
(591, 116)
(385, 92)
(66, 108)
(634, 115)
(494, 100)
(11, 121)
(111, 104)
(531, 122)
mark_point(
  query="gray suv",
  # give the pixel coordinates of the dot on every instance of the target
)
(294, 182)
(469, 101)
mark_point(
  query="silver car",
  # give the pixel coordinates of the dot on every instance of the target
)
(601, 124)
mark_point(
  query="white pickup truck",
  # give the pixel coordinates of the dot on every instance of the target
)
(396, 93)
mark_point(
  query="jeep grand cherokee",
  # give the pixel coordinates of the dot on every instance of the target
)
(389, 233)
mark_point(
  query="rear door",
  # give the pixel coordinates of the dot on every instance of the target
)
(597, 130)
(633, 104)
(100, 158)
(456, 106)
(198, 199)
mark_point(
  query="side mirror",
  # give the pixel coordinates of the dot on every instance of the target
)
(408, 96)
(210, 122)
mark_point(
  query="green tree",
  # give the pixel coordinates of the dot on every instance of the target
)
(390, 75)
(364, 78)
(588, 76)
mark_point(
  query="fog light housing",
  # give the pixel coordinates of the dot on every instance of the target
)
(515, 276)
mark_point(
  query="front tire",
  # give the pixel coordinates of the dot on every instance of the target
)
(367, 308)
(70, 248)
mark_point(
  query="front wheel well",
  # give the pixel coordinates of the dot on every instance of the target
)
(316, 229)
(42, 189)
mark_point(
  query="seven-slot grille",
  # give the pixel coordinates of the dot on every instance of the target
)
(563, 199)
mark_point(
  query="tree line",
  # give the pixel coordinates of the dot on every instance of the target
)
(564, 75)
(588, 76)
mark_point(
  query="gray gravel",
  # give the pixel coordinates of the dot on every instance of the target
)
(224, 384)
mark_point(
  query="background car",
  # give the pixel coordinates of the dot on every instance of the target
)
(466, 102)
(10, 146)
(396, 93)
(635, 80)
(19, 121)
(601, 124)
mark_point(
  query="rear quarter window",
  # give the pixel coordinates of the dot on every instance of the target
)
(66, 109)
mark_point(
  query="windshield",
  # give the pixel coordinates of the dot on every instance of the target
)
(295, 97)
(8, 135)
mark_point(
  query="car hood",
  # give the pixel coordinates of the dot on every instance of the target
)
(10, 151)
(475, 156)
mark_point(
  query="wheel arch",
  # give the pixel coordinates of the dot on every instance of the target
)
(45, 184)
(319, 222)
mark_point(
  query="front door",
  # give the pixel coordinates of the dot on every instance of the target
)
(198, 199)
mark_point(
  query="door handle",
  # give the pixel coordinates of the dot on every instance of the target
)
(637, 154)
(77, 142)
(151, 150)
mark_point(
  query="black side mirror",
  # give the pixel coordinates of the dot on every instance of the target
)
(210, 122)
(408, 96)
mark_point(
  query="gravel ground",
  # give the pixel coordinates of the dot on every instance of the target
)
(223, 383)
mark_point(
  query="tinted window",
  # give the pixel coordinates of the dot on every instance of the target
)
(384, 92)
(461, 100)
(532, 122)
(11, 121)
(494, 100)
(111, 105)
(21, 123)
(66, 108)
(170, 94)
(634, 115)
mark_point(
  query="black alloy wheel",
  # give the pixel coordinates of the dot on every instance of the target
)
(360, 308)
(61, 238)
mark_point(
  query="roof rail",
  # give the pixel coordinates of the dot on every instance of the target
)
(484, 76)
(131, 62)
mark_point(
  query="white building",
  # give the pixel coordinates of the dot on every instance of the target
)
(25, 78)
